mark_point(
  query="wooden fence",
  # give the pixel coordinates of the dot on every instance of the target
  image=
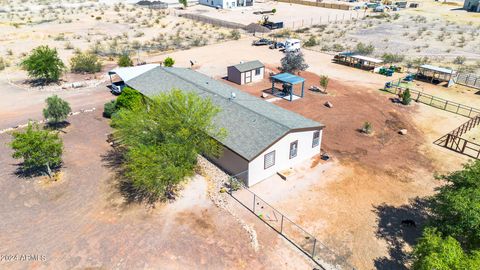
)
(470, 80)
(318, 4)
(455, 142)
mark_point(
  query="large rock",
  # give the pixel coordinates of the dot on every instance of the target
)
(403, 131)
(328, 104)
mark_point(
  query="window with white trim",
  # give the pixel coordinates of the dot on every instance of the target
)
(293, 149)
(257, 71)
(316, 139)
(269, 160)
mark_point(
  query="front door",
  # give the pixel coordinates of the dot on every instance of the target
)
(248, 76)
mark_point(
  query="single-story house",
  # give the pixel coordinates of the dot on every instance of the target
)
(472, 5)
(246, 72)
(227, 3)
(262, 138)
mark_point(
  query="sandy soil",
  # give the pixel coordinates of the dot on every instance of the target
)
(82, 221)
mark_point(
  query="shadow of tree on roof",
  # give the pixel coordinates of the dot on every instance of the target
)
(397, 235)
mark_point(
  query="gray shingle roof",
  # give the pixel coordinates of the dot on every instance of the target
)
(247, 66)
(252, 124)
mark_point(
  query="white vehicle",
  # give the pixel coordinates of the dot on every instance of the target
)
(292, 45)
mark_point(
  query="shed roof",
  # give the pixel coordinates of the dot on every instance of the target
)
(437, 69)
(252, 124)
(288, 78)
(247, 66)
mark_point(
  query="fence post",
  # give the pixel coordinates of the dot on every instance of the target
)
(470, 111)
(445, 107)
(314, 245)
(254, 202)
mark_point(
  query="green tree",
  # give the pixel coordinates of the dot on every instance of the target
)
(57, 110)
(125, 61)
(168, 62)
(434, 252)
(85, 62)
(184, 3)
(129, 99)
(163, 141)
(456, 207)
(41, 150)
(44, 64)
(324, 81)
(293, 62)
(393, 58)
(406, 97)
(109, 109)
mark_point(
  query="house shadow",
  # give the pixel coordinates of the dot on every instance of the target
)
(398, 236)
(114, 159)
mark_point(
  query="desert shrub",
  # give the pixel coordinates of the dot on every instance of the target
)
(406, 97)
(129, 99)
(125, 61)
(367, 128)
(324, 81)
(274, 10)
(338, 47)
(459, 60)
(109, 109)
(364, 49)
(393, 57)
(235, 34)
(43, 63)
(3, 63)
(168, 62)
(85, 62)
(57, 110)
(311, 42)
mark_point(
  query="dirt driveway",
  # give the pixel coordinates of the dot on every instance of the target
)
(82, 222)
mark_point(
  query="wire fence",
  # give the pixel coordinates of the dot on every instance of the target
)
(398, 87)
(295, 234)
(314, 21)
(470, 80)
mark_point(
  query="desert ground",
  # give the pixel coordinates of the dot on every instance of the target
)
(353, 203)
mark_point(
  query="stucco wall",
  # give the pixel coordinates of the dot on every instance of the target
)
(256, 171)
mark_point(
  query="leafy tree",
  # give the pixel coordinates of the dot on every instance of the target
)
(109, 109)
(324, 81)
(57, 110)
(43, 63)
(168, 62)
(292, 62)
(434, 252)
(456, 207)
(364, 48)
(125, 61)
(129, 99)
(41, 150)
(406, 97)
(164, 140)
(184, 3)
(85, 62)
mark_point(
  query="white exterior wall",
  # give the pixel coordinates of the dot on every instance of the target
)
(221, 3)
(256, 171)
(255, 78)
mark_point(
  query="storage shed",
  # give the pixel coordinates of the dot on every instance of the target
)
(247, 72)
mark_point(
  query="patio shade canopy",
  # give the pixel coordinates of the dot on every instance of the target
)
(288, 78)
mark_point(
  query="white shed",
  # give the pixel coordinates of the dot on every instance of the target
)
(247, 72)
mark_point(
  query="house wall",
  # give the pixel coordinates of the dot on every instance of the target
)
(232, 163)
(255, 78)
(256, 171)
(221, 3)
(234, 75)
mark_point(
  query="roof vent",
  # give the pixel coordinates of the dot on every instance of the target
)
(232, 96)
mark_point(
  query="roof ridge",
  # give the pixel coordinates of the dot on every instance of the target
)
(207, 90)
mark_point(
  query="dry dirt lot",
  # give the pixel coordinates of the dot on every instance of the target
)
(82, 221)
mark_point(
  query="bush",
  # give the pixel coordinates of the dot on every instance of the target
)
(235, 34)
(324, 81)
(367, 128)
(311, 42)
(406, 97)
(393, 58)
(459, 60)
(57, 110)
(293, 62)
(3, 63)
(274, 10)
(43, 63)
(109, 109)
(168, 62)
(364, 48)
(129, 99)
(85, 62)
(125, 61)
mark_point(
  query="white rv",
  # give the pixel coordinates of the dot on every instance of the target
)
(292, 45)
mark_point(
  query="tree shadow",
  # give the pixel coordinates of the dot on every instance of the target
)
(26, 173)
(114, 159)
(41, 82)
(57, 126)
(397, 235)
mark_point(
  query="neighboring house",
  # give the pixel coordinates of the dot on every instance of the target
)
(472, 5)
(247, 72)
(227, 3)
(262, 138)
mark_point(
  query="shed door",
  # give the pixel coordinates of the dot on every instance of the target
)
(248, 76)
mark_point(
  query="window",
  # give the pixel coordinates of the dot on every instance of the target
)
(293, 149)
(316, 139)
(269, 160)
(257, 71)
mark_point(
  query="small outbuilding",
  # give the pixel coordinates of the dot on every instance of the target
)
(436, 75)
(247, 72)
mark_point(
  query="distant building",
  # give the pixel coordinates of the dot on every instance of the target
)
(227, 3)
(472, 5)
(247, 72)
